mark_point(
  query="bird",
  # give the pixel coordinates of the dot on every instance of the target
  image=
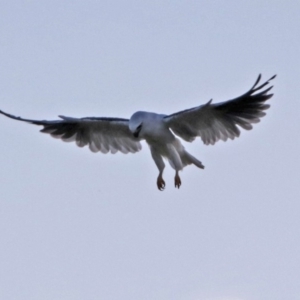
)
(210, 122)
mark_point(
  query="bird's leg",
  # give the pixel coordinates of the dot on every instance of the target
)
(160, 182)
(160, 165)
(177, 180)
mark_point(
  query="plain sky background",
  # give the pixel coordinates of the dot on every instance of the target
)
(76, 225)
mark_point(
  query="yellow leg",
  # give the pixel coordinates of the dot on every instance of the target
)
(160, 182)
(177, 180)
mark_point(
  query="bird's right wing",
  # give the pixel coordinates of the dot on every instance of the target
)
(100, 134)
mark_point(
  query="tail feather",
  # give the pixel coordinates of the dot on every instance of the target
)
(188, 159)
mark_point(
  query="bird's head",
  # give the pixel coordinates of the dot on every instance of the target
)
(136, 123)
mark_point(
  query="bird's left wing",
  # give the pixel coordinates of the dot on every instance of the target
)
(100, 134)
(213, 122)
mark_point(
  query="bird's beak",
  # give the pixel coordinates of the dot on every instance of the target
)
(137, 131)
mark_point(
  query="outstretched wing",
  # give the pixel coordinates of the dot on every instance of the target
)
(101, 134)
(213, 122)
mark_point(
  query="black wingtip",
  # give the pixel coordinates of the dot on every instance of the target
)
(257, 81)
(256, 88)
(21, 119)
(9, 115)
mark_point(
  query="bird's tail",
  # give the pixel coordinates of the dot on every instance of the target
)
(188, 159)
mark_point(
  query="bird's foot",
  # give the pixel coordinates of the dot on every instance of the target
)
(160, 183)
(177, 181)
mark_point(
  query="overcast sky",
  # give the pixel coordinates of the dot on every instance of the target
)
(76, 225)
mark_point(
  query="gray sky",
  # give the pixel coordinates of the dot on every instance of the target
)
(76, 225)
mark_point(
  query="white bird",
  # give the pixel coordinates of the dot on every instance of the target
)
(210, 122)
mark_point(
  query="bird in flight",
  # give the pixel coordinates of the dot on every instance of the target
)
(211, 122)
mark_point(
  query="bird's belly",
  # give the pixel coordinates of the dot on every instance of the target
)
(157, 137)
(161, 146)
